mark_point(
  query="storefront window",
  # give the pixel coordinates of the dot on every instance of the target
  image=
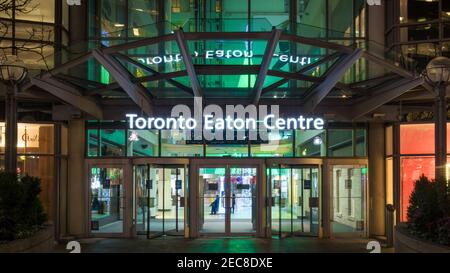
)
(35, 157)
(143, 143)
(31, 138)
(279, 144)
(42, 167)
(310, 143)
(174, 143)
(411, 133)
(112, 142)
(411, 169)
(340, 142)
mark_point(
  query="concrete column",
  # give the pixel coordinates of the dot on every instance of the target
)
(441, 132)
(11, 131)
(377, 183)
(77, 180)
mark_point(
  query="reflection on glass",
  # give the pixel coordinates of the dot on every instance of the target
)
(106, 200)
(340, 142)
(174, 143)
(143, 143)
(349, 185)
(279, 144)
(310, 143)
(112, 142)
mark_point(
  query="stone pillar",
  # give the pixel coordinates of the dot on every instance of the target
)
(375, 28)
(377, 181)
(77, 184)
(441, 132)
(11, 131)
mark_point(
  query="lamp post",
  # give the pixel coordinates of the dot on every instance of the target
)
(10, 78)
(438, 75)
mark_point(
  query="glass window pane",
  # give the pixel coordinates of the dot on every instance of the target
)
(112, 142)
(410, 133)
(411, 168)
(389, 181)
(92, 142)
(31, 138)
(174, 144)
(389, 140)
(361, 139)
(340, 142)
(143, 143)
(311, 13)
(227, 150)
(113, 17)
(340, 17)
(42, 167)
(38, 11)
(310, 143)
(35, 138)
(349, 184)
(278, 145)
(106, 200)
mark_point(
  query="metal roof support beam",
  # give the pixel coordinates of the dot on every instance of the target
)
(69, 95)
(378, 99)
(184, 51)
(266, 60)
(136, 91)
(301, 71)
(154, 72)
(334, 76)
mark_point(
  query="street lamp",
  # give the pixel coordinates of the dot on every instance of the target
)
(438, 75)
(11, 75)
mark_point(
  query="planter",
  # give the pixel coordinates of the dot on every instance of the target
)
(406, 243)
(42, 241)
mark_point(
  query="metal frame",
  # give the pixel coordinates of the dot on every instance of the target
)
(142, 97)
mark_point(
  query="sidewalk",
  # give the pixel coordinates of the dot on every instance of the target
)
(224, 245)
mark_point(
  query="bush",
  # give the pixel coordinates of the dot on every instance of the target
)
(21, 212)
(429, 210)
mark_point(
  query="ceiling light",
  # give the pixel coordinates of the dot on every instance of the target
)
(119, 25)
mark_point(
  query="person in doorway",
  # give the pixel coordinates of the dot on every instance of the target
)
(233, 202)
(215, 205)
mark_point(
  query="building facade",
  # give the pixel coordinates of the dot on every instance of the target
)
(343, 61)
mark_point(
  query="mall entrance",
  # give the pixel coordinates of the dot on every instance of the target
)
(228, 200)
(295, 199)
(159, 197)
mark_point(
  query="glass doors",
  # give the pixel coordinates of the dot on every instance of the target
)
(159, 199)
(295, 201)
(227, 200)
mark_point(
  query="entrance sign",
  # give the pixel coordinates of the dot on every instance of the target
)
(235, 122)
(224, 54)
(228, 123)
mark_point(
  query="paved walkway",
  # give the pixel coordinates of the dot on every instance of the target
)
(224, 245)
